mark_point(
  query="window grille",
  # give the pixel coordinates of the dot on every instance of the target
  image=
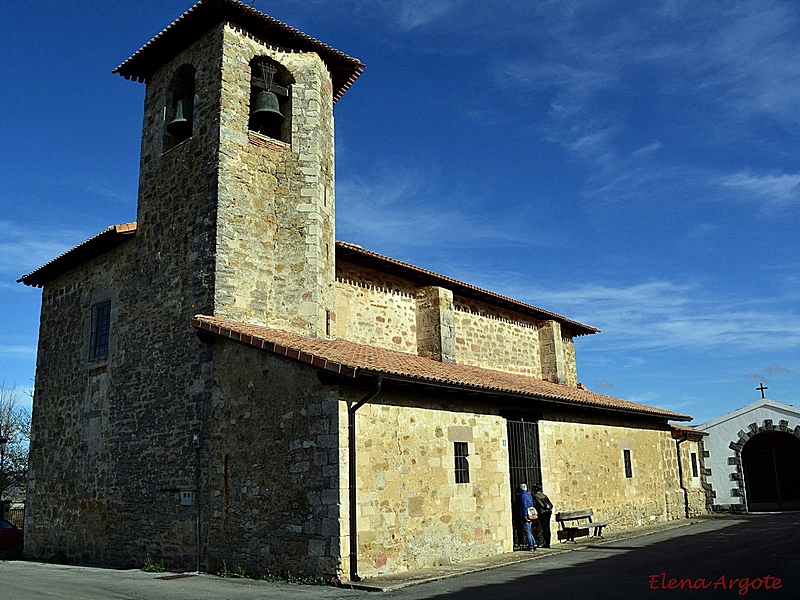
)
(695, 471)
(101, 324)
(461, 452)
(626, 455)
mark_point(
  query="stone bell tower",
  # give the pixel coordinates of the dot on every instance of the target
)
(237, 209)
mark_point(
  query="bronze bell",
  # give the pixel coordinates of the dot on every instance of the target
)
(181, 126)
(266, 112)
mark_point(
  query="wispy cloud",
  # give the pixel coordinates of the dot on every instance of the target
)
(726, 69)
(661, 315)
(775, 190)
(774, 369)
(22, 249)
(401, 208)
(418, 13)
(18, 351)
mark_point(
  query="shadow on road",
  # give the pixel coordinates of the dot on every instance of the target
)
(726, 559)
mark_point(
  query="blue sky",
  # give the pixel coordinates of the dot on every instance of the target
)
(630, 165)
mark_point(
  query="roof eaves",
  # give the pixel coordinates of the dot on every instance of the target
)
(99, 244)
(210, 325)
(206, 14)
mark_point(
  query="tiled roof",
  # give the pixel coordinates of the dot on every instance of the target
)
(355, 254)
(349, 359)
(684, 430)
(206, 14)
(106, 240)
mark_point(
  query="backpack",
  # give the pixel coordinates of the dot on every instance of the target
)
(542, 503)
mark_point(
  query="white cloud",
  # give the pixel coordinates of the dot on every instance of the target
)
(23, 249)
(774, 190)
(406, 209)
(662, 315)
(649, 149)
(18, 351)
(417, 13)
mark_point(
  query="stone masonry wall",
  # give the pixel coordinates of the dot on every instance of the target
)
(496, 339)
(411, 513)
(271, 500)
(375, 309)
(583, 467)
(276, 201)
(435, 324)
(138, 412)
(694, 489)
(67, 500)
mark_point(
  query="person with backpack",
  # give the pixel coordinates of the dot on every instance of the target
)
(544, 509)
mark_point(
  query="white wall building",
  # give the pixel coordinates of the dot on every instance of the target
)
(753, 458)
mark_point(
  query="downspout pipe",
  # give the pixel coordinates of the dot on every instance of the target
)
(678, 443)
(351, 472)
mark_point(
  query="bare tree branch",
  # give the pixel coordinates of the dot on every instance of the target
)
(15, 427)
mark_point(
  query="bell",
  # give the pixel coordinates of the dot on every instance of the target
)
(181, 126)
(266, 112)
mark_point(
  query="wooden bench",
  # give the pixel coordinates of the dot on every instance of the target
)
(577, 523)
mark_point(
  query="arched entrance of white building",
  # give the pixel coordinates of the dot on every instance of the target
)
(771, 469)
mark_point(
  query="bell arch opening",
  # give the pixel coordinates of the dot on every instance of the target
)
(270, 99)
(179, 107)
(771, 470)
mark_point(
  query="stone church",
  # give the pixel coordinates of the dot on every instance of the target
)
(223, 380)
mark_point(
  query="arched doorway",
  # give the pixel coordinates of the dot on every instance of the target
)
(771, 468)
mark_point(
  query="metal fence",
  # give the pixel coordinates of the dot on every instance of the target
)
(16, 516)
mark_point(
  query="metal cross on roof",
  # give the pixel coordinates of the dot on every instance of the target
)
(762, 387)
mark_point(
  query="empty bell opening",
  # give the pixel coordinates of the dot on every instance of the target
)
(266, 111)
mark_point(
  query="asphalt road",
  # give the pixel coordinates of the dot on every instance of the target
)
(754, 556)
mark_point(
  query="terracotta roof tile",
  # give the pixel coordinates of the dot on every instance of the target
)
(348, 358)
(681, 430)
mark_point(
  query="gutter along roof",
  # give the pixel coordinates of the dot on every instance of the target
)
(206, 14)
(349, 359)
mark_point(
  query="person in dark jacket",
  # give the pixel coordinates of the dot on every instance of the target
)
(544, 508)
(524, 503)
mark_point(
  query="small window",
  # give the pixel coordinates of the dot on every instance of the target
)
(462, 463)
(101, 324)
(695, 471)
(626, 455)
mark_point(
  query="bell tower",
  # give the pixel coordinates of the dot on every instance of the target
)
(236, 191)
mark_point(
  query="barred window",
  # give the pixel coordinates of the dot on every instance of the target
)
(101, 324)
(461, 452)
(695, 471)
(626, 455)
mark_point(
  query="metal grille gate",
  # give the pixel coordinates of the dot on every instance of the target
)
(524, 462)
